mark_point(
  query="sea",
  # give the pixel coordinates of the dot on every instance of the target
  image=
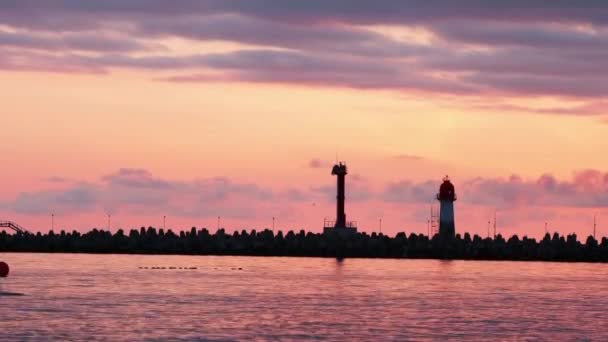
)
(78, 297)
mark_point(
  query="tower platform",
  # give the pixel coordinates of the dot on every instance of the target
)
(348, 229)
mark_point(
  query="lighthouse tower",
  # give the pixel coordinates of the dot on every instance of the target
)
(446, 198)
(340, 226)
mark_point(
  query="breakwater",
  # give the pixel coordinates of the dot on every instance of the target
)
(307, 244)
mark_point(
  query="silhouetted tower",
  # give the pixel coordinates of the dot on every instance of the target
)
(446, 198)
(340, 171)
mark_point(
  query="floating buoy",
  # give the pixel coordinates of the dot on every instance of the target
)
(3, 269)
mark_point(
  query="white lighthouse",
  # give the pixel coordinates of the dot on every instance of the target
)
(446, 198)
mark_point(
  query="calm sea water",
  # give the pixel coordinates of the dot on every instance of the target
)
(113, 297)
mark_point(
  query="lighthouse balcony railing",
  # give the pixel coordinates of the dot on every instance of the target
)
(351, 224)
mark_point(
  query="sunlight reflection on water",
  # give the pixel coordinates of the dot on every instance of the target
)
(114, 297)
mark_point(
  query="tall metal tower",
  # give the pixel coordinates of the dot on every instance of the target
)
(340, 224)
(339, 170)
(446, 198)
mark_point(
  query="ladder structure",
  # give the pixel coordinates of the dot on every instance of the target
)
(14, 226)
(434, 220)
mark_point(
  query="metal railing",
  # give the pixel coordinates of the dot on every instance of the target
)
(332, 224)
(12, 225)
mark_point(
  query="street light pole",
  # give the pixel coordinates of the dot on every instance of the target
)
(494, 224)
(488, 228)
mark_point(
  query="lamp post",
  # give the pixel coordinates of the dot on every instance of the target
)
(488, 228)
(494, 224)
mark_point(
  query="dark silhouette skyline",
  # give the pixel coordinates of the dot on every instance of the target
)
(306, 244)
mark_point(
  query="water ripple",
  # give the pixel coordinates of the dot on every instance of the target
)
(114, 297)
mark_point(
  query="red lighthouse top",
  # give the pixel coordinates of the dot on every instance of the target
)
(446, 191)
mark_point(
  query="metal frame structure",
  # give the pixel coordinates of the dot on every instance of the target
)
(14, 226)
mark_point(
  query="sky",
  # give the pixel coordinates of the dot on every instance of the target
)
(195, 110)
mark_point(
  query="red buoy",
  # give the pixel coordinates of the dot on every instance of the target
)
(3, 269)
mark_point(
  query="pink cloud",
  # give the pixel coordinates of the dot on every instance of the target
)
(522, 204)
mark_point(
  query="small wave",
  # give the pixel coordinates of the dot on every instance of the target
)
(8, 294)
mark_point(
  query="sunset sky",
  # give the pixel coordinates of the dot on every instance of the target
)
(199, 109)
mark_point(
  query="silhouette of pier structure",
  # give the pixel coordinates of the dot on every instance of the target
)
(14, 226)
(340, 226)
(301, 244)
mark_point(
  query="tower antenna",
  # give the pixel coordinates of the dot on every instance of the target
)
(594, 226)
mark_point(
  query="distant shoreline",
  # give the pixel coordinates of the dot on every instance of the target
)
(302, 244)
